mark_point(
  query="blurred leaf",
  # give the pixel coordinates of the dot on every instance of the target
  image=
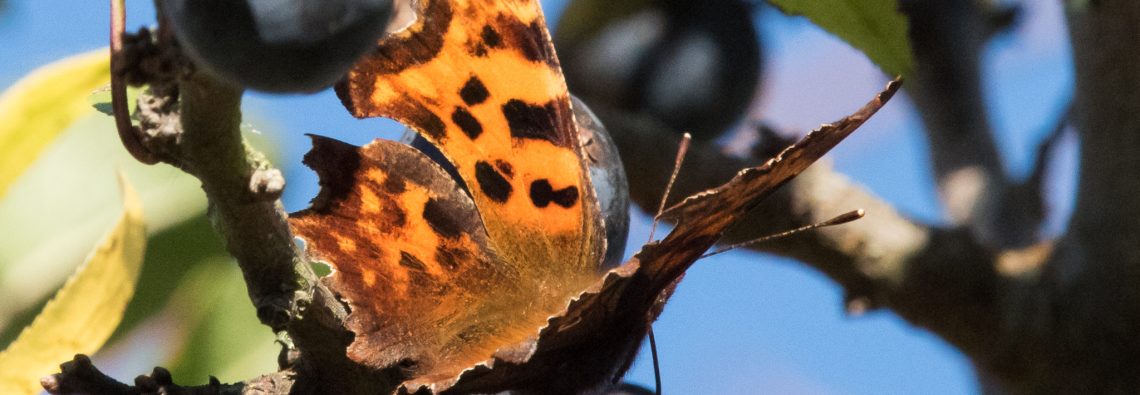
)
(57, 207)
(54, 211)
(42, 105)
(100, 100)
(581, 18)
(62, 204)
(170, 254)
(86, 310)
(176, 252)
(197, 299)
(225, 338)
(875, 27)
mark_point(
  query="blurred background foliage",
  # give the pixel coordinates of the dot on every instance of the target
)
(766, 323)
(190, 311)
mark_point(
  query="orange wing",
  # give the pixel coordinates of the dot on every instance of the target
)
(438, 280)
(480, 80)
(413, 262)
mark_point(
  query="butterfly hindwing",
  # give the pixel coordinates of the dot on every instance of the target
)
(412, 260)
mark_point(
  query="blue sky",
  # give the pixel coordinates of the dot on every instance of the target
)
(741, 322)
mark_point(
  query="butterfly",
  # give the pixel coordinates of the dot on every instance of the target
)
(493, 267)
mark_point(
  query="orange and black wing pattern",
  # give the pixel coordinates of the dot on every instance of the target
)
(480, 80)
(407, 249)
(440, 278)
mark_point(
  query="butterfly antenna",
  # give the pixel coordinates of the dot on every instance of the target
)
(656, 365)
(839, 220)
(681, 151)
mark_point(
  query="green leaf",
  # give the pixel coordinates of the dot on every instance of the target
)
(100, 100)
(86, 310)
(875, 27)
(170, 254)
(42, 105)
(57, 209)
(223, 337)
(67, 199)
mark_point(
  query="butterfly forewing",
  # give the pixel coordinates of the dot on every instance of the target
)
(480, 79)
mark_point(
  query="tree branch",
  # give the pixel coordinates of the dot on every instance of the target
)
(191, 121)
(1070, 325)
(947, 37)
(1107, 98)
(1035, 317)
(243, 191)
(80, 376)
(883, 260)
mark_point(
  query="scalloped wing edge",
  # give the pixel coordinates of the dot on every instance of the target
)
(607, 313)
(810, 148)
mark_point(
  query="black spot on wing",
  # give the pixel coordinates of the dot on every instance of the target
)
(478, 50)
(506, 168)
(543, 51)
(530, 39)
(542, 122)
(425, 120)
(491, 37)
(467, 122)
(474, 92)
(542, 194)
(453, 258)
(492, 183)
(411, 262)
(394, 185)
(391, 214)
(440, 220)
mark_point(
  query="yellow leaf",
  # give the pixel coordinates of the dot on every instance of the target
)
(88, 308)
(42, 105)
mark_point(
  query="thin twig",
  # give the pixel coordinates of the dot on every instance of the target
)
(656, 364)
(128, 133)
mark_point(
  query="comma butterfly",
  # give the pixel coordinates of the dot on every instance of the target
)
(499, 279)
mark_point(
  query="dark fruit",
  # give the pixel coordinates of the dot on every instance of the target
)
(277, 45)
(693, 65)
